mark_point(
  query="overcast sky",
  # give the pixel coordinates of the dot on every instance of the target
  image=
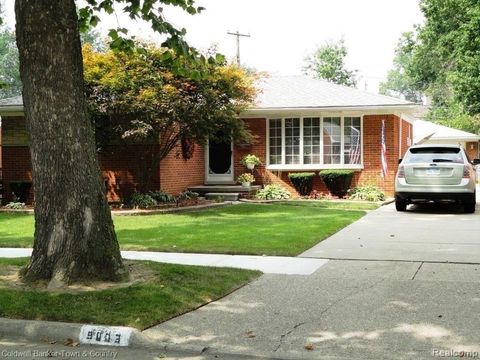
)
(283, 32)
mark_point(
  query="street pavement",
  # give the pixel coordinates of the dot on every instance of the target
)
(14, 349)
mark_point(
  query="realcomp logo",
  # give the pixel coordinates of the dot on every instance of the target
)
(456, 353)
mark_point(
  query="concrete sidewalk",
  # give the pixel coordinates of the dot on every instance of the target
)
(266, 264)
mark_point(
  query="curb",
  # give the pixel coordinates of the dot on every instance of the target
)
(387, 202)
(52, 331)
(59, 332)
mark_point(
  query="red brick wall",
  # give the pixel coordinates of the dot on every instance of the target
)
(371, 174)
(16, 167)
(122, 167)
(15, 154)
(176, 173)
(407, 137)
(472, 150)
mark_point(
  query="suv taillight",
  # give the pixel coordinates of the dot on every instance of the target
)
(401, 172)
(466, 172)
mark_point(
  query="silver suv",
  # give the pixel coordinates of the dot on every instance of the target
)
(435, 172)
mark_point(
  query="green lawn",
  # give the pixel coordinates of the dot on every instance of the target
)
(171, 291)
(273, 229)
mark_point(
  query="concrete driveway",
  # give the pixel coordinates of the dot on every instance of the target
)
(428, 233)
(390, 291)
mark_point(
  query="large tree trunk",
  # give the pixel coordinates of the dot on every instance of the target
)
(74, 235)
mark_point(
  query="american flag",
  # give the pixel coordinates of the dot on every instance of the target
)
(354, 155)
(384, 153)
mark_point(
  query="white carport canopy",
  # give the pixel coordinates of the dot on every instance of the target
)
(426, 130)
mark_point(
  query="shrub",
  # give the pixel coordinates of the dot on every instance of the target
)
(20, 190)
(246, 178)
(302, 182)
(187, 195)
(367, 193)
(144, 201)
(273, 192)
(15, 205)
(250, 159)
(337, 181)
(162, 197)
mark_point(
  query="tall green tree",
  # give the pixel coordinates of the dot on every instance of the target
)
(328, 62)
(400, 82)
(10, 83)
(443, 62)
(74, 234)
(447, 55)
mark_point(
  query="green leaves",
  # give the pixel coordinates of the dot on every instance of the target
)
(150, 11)
(328, 62)
(401, 79)
(442, 60)
(156, 90)
(10, 83)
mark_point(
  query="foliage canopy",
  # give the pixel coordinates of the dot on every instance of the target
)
(137, 97)
(328, 62)
(441, 59)
(10, 83)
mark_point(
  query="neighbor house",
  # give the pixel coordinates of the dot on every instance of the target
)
(426, 132)
(299, 124)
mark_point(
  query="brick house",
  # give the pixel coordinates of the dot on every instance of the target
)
(299, 124)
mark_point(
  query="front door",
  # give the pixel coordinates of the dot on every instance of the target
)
(219, 162)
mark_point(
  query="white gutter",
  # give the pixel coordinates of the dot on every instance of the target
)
(370, 109)
(11, 109)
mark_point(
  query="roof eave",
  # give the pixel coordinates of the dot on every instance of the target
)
(369, 108)
(454, 138)
(11, 110)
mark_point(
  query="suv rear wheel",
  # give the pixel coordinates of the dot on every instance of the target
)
(469, 205)
(400, 205)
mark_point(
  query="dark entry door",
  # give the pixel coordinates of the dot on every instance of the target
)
(219, 161)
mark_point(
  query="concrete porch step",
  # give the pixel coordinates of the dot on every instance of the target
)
(224, 195)
(204, 189)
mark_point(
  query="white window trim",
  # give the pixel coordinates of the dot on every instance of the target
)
(302, 166)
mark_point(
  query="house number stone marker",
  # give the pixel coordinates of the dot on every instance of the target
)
(101, 335)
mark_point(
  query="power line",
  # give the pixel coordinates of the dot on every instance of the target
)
(237, 34)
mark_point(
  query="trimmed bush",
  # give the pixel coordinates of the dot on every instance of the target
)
(273, 192)
(337, 181)
(187, 195)
(15, 205)
(20, 190)
(367, 193)
(302, 182)
(162, 197)
(143, 201)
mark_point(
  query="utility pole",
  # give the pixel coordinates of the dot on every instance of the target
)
(237, 34)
